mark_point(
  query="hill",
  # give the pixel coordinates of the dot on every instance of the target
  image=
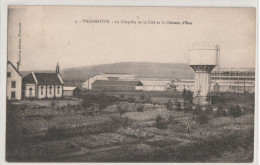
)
(140, 69)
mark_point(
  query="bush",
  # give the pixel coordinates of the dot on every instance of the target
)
(221, 111)
(122, 108)
(208, 110)
(169, 105)
(178, 106)
(131, 99)
(218, 99)
(55, 133)
(140, 108)
(202, 118)
(235, 111)
(115, 123)
(148, 99)
(171, 119)
(53, 104)
(197, 110)
(101, 100)
(187, 108)
(48, 117)
(160, 122)
(142, 97)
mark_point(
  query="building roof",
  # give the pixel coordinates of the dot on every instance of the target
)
(116, 83)
(69, 88)
(43, 78)
(155, 83)
(9, 62)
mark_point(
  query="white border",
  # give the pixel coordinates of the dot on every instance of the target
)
(187, 3)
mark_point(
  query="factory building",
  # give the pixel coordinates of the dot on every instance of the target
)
(108, 76)
(224, 80)
(116, 85)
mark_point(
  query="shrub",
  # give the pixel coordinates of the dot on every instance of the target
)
(171, 119)
(148, 99)
(140, 108)
(131, 99)
(160, 122)
(122, 96)
(178, 106)
(202, 118)
(122, 108)
(142, 97)
(187, 108)
(101, 100)
(55, 133)
(48, 117)
(235, 111)
(197, 110)
(115, 123)
(221, 111)
(169, 105)
(53, 104)
(218, 99)
(208, 110)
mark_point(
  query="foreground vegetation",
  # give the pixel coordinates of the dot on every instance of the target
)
(128, 128)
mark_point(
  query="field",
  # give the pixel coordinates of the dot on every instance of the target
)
(65, 131)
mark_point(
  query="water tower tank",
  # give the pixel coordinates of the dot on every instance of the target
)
(203, 58)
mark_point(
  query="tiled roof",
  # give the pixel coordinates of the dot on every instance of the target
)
(68, 88)
(48, 78)
(28, 79)
(43, 78)
(116, 83)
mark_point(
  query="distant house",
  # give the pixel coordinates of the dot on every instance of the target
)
(13, 83)
(108, 76)
(43, 85)
(117, 85)
(69, 91)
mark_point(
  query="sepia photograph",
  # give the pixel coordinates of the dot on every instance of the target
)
(130, 84)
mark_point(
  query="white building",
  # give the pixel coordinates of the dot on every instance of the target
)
(149, 85)
(43, 85)
(71, 91)
(13, 83)
(108, 76)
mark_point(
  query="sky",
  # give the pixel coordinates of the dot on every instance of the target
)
(50, 34)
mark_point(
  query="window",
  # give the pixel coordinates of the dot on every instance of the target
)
(50, 92)
(41, 90)
(13, 84)
(12, 95)
(30, 91)
(58, 92)
(8, 74)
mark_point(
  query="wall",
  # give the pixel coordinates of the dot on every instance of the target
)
(27, 90)
(58, 92)
(50, 91)
(67, 93)
(153, 88)
(43, 94)
(93, 79)
(18, 79)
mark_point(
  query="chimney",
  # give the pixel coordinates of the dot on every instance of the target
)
(18, 64)
(58, 68)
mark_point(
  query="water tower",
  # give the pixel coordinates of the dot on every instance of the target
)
(203, 58)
